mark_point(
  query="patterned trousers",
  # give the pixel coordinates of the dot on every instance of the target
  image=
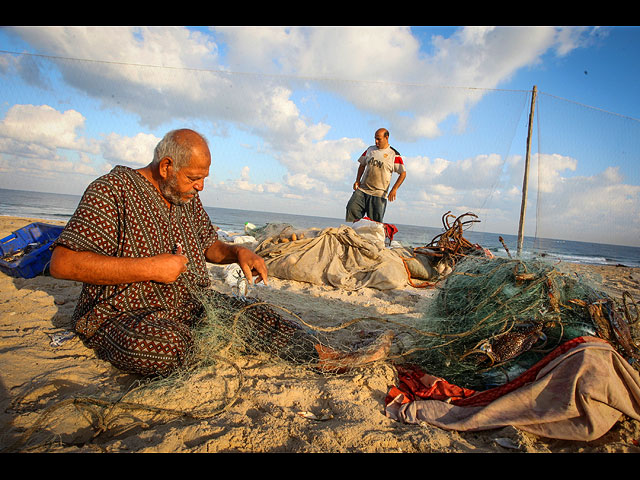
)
(147, 346)
(153, 345)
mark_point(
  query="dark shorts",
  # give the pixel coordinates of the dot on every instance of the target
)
(362, 204)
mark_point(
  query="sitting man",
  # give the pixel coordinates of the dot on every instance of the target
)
(139, 241)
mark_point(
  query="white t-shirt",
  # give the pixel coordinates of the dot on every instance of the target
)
(380, 164)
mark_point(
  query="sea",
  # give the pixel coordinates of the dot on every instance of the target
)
(54, 206)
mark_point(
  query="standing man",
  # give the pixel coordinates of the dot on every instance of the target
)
(139, 241)
(377, 164)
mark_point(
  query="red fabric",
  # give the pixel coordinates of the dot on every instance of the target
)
(390, 230)
(415, 384)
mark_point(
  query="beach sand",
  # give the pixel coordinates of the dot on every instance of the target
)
(277, 409)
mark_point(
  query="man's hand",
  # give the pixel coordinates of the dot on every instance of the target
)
(250, 263)
(394, 190)
(169, 266)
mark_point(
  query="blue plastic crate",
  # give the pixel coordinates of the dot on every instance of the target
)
(26, 252)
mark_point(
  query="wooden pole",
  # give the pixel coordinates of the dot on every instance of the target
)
(525, 182)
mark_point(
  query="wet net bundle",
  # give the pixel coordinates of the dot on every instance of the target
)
(494, 318)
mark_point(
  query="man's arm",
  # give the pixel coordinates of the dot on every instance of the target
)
(396, 186)
(358, 176)
(96, 269)
(250, 263)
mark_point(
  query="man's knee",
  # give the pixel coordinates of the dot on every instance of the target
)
(351, 216)
(167, 351)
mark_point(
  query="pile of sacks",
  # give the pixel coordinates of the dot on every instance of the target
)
(346, 257)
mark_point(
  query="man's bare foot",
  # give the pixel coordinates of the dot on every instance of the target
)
(331, 360)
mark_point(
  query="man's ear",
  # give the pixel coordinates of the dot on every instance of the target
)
(164, 166)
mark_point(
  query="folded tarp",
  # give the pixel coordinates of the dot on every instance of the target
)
(335, 256)
(577, 392)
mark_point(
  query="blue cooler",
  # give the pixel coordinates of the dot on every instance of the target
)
(25, 253)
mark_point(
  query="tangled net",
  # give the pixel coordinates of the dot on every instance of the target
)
(232, 328)
(235, 326)
(494, 318)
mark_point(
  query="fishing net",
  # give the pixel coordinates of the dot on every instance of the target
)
(493, 318)
(236, 326)
(520, 309)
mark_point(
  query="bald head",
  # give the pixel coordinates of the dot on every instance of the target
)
(382, 138)
(180, 145)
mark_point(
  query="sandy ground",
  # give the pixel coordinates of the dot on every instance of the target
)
(61, 398)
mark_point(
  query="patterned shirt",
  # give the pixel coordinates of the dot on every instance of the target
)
(122, 214)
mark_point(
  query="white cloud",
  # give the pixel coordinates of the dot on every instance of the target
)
(136, 151)
(389, 60)
(243, 184)
(252, 79)
(423, 169)
(598, 208)
(302, 181)
(568, 39)
(549, 171)
(325, 160)
(45, 127)
(38, 141)
(385, 61)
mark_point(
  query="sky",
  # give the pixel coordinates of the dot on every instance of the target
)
(288, 110)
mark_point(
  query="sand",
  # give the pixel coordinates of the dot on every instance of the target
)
(277, 409)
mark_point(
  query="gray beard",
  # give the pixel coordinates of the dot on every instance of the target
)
(169, 191)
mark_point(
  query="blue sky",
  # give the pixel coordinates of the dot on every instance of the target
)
(287, 111)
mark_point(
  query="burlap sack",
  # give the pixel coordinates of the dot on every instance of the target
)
(337, 256)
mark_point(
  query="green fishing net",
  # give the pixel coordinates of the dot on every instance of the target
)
(485, 300)
(235, 325)
(491, 320)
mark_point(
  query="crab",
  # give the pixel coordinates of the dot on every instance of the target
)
(508, 345)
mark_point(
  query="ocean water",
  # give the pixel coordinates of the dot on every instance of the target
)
(52, 206)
